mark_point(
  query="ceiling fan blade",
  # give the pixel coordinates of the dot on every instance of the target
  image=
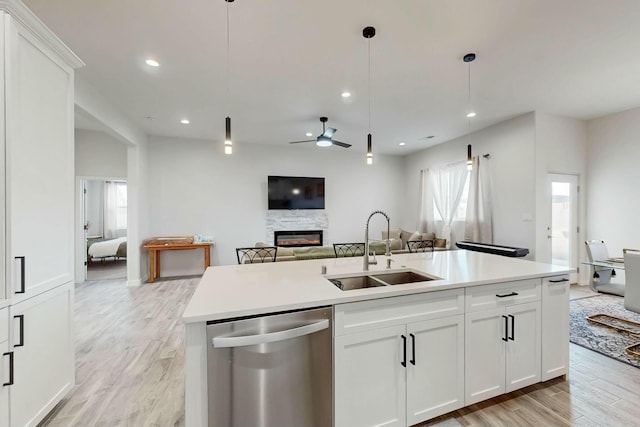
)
(341, 144)
(298, 142)
(329, 132)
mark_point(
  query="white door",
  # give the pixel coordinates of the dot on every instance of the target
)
(42, 342)
(435, 370)
(39, 162)
(523, 345)
(485, 335)
(369, 378)
(562, 228)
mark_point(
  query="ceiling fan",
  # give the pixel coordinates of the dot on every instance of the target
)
(325, 139)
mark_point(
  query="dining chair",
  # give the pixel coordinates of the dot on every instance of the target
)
(601, 277)
(348, 249)
(256, 255)
(420, 245)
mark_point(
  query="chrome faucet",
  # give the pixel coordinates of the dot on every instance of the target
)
(366, 261)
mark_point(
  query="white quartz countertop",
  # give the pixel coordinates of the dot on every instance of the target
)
(4, 303)
(231, 291)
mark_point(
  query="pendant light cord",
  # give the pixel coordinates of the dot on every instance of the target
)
(469, 96)
(228, 61)
(369, 40)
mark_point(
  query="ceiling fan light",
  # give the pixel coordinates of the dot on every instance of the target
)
(323, 141)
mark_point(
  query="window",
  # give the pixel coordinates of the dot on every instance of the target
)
(461, 211)
(121, 205)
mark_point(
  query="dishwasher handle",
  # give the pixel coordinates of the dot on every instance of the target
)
(226, 342)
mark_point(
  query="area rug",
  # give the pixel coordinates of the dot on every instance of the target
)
(599, 338)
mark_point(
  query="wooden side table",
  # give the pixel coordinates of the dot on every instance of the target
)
(156, 245)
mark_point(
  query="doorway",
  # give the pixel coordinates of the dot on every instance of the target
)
(104, 210)
(563, 228)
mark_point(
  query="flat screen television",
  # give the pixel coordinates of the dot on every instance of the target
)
(294, 192)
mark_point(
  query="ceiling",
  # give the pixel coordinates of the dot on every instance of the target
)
(291, 59)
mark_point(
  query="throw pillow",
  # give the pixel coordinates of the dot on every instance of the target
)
(440, 243)
(416, 236)
(261, 245)
(429, 236)
(393, 234)
(395, 244)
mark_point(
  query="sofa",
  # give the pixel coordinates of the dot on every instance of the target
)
(398, 245)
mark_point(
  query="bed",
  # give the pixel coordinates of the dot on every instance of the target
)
(98, 248)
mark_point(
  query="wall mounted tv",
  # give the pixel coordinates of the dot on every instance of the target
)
(294, 192)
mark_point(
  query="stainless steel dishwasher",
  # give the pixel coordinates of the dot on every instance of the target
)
(271, 371)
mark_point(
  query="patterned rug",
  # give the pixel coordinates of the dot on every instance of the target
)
(599, 338)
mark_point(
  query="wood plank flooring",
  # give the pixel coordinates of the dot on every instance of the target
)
(130, 371)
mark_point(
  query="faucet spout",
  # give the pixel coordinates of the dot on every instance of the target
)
(366, 262)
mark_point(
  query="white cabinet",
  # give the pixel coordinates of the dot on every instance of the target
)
(38, 87)
(555, 327)
(6, 367)
(42, 343)
(502, 339)
(405, 363)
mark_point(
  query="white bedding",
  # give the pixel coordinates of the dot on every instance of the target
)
(106, 248)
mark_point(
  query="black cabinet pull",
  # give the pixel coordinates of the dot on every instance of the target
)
(512, 336)
(10, 354)
(564, 279)
(22, 287)
(512, 294)
(404, 351)
(506, 327)
(21, 317)
(413, 349)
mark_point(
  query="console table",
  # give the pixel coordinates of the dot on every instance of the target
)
(156, 245)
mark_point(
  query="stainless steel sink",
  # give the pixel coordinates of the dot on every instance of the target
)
(402, 277)
(356, 282)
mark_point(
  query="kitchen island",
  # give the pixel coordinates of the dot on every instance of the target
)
(488, 325)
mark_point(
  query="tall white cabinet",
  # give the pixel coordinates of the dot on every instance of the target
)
(38, 180)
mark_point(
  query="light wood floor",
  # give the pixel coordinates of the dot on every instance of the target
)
(130, 371)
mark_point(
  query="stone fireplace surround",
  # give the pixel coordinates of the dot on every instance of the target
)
(299, 220)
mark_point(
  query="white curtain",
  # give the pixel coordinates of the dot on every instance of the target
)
(479, 218)
(447, 184)
(110, 210)
(424, 220)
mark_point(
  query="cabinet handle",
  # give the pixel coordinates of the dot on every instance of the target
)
(506, 328)
(10, 354)
(413, 349)
(512, 337)
(404, 351)
(564, 279)
(22, 287)
(21, 317)
(512, 294)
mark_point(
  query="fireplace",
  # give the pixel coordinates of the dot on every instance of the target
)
(296, 238)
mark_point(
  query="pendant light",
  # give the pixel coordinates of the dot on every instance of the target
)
(368, 33)
(228, 143)
(469, 58)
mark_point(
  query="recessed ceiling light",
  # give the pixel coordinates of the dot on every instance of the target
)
(309, 134)
(402, 144)
(471, 114)
(346, 94)
(152, 63)
(185, 121)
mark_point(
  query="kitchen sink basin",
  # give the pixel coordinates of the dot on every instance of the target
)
(376, 280)
(402, 277)
(356, 282)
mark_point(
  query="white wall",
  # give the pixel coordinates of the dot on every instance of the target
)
(99, 155)
(612, 185)
(511, 145)
(194, 188)
(561, 147)
(94, 211)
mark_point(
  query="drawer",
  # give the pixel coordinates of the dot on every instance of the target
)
(487, 297)
(4, 324)
(384, 312)
(556, 282)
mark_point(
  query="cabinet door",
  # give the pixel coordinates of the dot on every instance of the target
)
(435, 369)
(4, 379)
(484, 354)
(41, 339)
(369, 379)
(523, 347)
(39, 163)
(555, 327)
